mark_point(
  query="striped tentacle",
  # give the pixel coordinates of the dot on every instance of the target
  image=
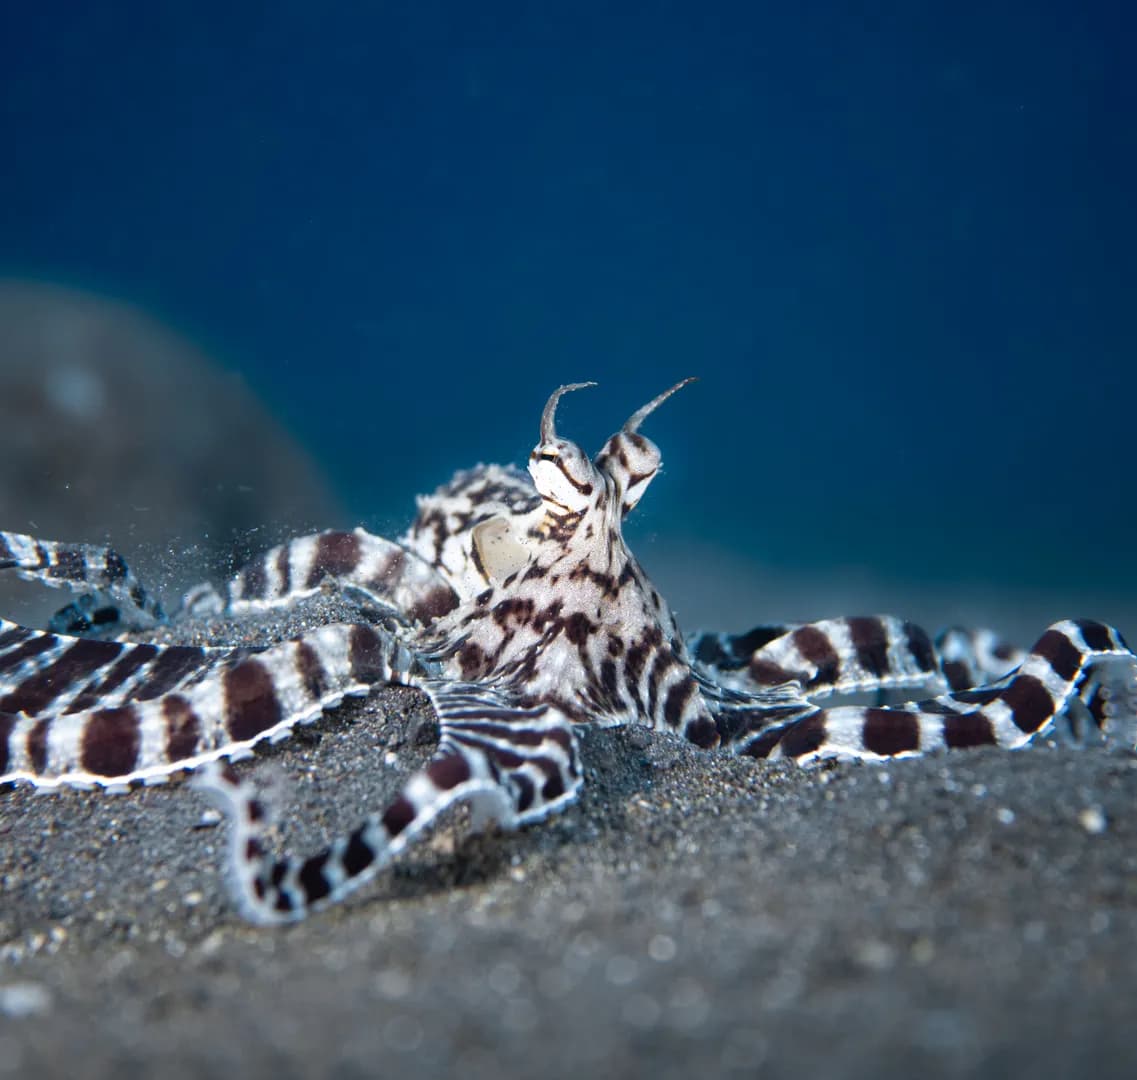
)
(42, 672)
(513, 765)
(84, 713)
(974, 657)
(1007, 713)
(847, 655)
(725, 654)
(1105, 693)
(83, 568)
(380, 569)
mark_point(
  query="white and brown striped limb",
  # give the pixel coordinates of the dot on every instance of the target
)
(512, 765)
(1008, 713)
(88, 568)
(834, 656)
(386, 572)
(83, 713)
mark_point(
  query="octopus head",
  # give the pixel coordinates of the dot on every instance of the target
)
(569, 482)
(630, 460)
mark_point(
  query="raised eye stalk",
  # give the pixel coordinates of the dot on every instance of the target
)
(548, 424)
(638, 417)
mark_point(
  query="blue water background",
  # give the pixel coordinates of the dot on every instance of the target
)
(896, 241)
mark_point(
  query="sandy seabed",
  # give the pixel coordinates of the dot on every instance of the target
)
(967, 915)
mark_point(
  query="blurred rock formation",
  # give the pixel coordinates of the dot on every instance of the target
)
(114, 429)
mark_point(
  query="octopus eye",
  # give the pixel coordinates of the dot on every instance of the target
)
(561, 471)
(564, 477)
(630, 459)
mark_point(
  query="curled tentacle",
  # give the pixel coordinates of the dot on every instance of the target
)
(513, 765)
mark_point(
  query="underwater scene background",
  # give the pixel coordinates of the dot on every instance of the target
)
(896, 244)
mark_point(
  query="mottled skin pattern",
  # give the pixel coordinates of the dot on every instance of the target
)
(567, 616)
(514, 603)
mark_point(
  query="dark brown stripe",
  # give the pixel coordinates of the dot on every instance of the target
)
(391, 571)
(659, 667)
(870, 641)
(561, 736)
(123, 668)
(254, 580)
(963, 730)
(7, 724)
(278, 873)
(522, 736)
(398, 816)
(744, 646)
(767, 673)
(1095, 635)
(804, 736)
(502, 758)
(1060, 653)
(1098, 703)
(584, 487)
(14, 635)
(708, 649)
(251, 706)
(526, 792)
(116, 569)
(358, 854)
(957, 673)
(448, 771)
(763, 745)
(111, 741)
(735, 725)
(702, 731)
(1003, 650)
(311, 877)
(337, 555)
(70, 565)
(677, 698)
(231, 777)
(609, 683)
(634, 669)
(34, 694)
(983, 696)
(183, 728)
(40, 643)
(472, 660)
(578, 627)
(284, 568)
(311, 671)
(173, 664)
(815, 646)
(435, 603)
(1030, 703)
(36, 744)
(920, 646)
(366, 655)
(283, 902)
(554, 786)
(890, 731)
(939, 708)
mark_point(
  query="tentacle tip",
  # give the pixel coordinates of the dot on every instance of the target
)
(548, 416)
(633, 422)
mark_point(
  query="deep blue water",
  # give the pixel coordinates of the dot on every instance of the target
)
(898, 246)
